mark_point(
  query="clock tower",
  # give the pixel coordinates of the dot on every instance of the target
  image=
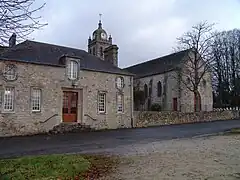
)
(99, 41)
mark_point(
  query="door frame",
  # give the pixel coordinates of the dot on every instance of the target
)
(79, 103)
(175, 104)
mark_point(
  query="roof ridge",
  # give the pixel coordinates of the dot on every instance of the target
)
(156, 59)
(55, 45)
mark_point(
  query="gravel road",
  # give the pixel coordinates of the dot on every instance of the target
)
(202, 158)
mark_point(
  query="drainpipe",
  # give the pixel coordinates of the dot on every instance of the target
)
(179, 91)
(131, 97)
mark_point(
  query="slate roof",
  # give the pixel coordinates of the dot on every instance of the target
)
(49, 54)
(158, 66)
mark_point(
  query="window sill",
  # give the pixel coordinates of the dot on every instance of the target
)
(102, 113)
(35, 112)
(120, 113)
(7, 112)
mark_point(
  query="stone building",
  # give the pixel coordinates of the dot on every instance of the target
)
(164, 84)
(43, 85)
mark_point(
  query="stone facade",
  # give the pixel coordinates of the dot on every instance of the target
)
(148, 118)
(53, 81)
(174, 88)
(205, 91)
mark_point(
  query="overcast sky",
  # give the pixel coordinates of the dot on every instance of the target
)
(142, 29)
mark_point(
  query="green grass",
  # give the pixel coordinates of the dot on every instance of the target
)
(235, 131)
(43, 167)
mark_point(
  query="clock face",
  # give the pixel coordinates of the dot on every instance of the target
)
(103, 36)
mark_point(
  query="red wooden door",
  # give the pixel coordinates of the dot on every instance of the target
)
(197, 102)
(175, 105)
(70, 102)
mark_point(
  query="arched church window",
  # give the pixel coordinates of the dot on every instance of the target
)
(101, 51)
(159, 89)
(146, 90)
(204, 83)
(150, 87)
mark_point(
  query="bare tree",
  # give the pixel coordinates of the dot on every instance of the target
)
(18, 16)
(226, 66)
(198, 42)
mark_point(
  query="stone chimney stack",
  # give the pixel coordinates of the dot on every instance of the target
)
(12, 40)
(111, 55)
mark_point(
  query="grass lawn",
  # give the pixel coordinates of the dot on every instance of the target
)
(55, 167)
(235, 131)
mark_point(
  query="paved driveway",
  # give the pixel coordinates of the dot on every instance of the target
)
(109, 141)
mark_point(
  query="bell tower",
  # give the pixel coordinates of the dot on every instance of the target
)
(99, 41)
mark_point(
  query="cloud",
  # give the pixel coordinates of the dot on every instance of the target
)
(142, 29)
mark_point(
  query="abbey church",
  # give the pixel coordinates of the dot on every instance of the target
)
(43, 85)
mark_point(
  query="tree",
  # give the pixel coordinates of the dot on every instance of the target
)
(18, 16)
(226, 74)
(198, 43)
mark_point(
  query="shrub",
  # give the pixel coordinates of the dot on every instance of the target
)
(156, 107)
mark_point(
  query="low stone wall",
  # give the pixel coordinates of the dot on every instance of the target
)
(152, 118)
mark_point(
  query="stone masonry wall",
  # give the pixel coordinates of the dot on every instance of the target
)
(52, 81)
(204, 88)
(149, 118)
(170, 89)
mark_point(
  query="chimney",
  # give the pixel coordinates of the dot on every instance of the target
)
(12, 40)
(111, 54)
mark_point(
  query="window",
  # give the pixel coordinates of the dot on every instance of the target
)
(102, 102)
(36, 100)
(8, 99)
(10, 72)
(204, 83)
(101, 51)
(119, 103)
(159, 89)
(146, 91)
(72, 70)
(150, 87)
(120, 82)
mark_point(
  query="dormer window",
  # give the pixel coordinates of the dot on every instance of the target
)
(72, 70)
(120, 82)
(10, 72)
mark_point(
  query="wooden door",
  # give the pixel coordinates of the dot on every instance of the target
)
(175, 105)
(197, 102)
(69, 110)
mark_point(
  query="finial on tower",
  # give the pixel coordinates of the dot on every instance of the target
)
(100, 21)
(110, 38)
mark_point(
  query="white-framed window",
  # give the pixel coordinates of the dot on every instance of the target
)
(72, 70)
(36, 99)
(119, 103)
(8, 99)
(10, 72)
(101, 102)
(120, 82)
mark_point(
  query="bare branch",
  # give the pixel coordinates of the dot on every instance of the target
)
(198, 41)
(17, 16)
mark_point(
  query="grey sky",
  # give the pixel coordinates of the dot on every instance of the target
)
(143, 29)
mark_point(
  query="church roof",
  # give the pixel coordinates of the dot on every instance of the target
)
(158, 66)
(49, 54)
